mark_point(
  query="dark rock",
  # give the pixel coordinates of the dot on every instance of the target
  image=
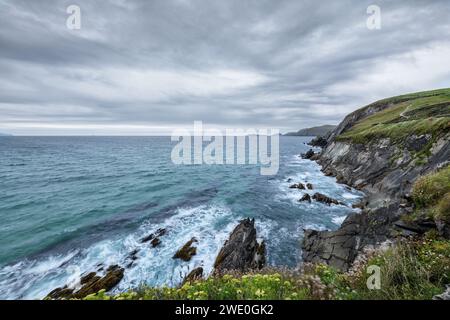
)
(159, 233)
(334, 248)
(155, 242)
(148, 238)
(318, 142)
(61, 293)
(417, 143)
(309, 186)
(112, 277)
(91, 283)
(325, 199)
(306, 197)
(187, 251)
(299, 186)
(289, 180)
(241, 251)
(308, 154)
(359, 205)
(339, 248)
(133, 255)
(443, 228)
(195, 274)
(89, 277)
(419, 226)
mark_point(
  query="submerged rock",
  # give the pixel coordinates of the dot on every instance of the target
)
(325, 199)
(155, 242)
(159, 233)
(306, 197)
(299, 186)
(241, 251)
(90, 283)
(187, 251)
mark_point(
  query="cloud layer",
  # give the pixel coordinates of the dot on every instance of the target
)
(145, 67)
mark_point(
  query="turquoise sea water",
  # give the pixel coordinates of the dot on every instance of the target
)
(69, 204)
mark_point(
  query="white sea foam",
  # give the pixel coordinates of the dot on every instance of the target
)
(351, 196)
(338, 219)
(210, 225)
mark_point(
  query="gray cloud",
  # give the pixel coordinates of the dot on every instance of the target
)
(139, 67)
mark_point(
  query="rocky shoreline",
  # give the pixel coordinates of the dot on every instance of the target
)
(385, 171)
(241, 252)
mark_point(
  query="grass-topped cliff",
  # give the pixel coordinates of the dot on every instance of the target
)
(418, 113)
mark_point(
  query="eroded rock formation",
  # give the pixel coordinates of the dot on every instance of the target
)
(242, 250)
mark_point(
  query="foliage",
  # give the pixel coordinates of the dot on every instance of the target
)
(411, 270)
(431, 189)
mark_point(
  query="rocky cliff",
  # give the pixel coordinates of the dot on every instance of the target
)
(382, 149)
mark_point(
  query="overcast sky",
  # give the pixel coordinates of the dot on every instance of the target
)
(145, 67)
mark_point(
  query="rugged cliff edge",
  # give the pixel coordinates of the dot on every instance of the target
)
(382, 149)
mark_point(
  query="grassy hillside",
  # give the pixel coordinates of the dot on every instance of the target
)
(418, 113)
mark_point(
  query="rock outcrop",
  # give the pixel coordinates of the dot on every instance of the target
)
(308, 155)
(299, 186)
(195, 274)
(187, 251)
(318, 142)
(242, 250)
(154, 237)
(90, 283)
(325, 199)
(306, 197)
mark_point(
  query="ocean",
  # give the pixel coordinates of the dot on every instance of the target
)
(69, 205)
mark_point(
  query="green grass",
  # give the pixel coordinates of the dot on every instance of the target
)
(418, 113)
(431, 194)
(410, 271)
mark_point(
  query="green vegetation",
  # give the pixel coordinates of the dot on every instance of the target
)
(409, 270)
(419, 113)
(431, 194)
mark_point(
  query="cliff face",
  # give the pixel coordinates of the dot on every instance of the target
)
(382, 149)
